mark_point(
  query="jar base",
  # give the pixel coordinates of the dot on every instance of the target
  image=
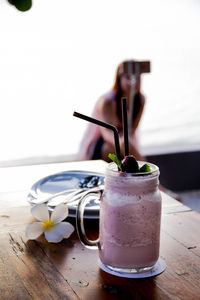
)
(131, 270)
(157, 269)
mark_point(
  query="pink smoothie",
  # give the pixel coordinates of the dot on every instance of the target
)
(130, 221)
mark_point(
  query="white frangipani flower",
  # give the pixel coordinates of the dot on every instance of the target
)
(52, 226)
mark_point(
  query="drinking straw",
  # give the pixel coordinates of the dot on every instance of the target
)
(125, 126)
(103, 124)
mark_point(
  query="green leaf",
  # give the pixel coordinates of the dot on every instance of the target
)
(22, 5)
(116, 160)
(145, 168)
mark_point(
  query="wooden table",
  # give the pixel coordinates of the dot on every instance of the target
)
(41, 270)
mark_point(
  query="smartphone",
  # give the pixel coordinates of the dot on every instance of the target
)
(136, 67)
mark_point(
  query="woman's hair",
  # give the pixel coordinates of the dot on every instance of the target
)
(116, 85)
(117, 88)
(119, 73)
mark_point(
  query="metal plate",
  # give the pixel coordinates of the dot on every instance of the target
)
(50, 185)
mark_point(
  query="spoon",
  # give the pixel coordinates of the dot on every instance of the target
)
(47, 199)
(75, 197)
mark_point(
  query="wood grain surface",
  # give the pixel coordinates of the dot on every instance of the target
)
(67, 270)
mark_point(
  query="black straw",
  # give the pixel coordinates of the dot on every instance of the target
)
(125, 126)
(103, 124)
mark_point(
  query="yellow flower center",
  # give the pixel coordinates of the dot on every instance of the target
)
(48, 225)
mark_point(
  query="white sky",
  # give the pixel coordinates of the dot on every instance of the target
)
(61, 56)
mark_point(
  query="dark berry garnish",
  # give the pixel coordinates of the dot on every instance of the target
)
(129, 164)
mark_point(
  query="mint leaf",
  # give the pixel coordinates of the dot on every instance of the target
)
(116, 160)
(145, 168)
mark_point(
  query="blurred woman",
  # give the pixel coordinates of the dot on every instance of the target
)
(98, 142)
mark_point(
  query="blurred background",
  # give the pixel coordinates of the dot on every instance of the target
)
(60, 56)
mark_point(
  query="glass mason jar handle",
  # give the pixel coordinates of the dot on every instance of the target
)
(80, 219)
